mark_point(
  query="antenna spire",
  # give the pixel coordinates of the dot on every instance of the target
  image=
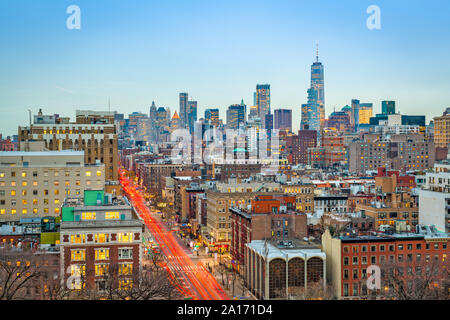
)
(317, 52)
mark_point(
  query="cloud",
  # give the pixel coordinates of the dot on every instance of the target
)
(65, 90)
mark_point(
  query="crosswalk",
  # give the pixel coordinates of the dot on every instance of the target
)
(186, 268)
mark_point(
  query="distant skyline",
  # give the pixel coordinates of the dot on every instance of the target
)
(135, 52)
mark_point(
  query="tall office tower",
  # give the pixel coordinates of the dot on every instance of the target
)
(212, 116)
(283, 119)
(354, 119)
(365, 113)
(263, 100)
(268, 123)
(236, 116)
(184, 110)
(313, 113)
(191, 115)
(388, 107)
(153, 135)
(254, 98)
(253, 112)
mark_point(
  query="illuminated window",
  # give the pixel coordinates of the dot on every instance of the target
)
(125, 268)
(101, 237)
(101, 254)
(99, 173)
(125, 284)
(35, 183)
(57, 210)
(125, 237)
(2, 211)
(24, 183)
(78, 255)
(24, 192)
(56, 192)
(35, 210)
(2, 174)
(88, 182)
(13, 192)
(24, 174)
(13, 183)
(88, 215)
(24, 201)
(101, 269)
(77, 269)
(13, 211)
(78, 238)
(88, 173)
(112, 215)
(35, 201)
(45, 210)
(56, 183)
(56, 201)
(67, 183)
(45, 201)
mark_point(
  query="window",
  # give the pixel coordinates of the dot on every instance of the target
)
(109, 215)
(125, 237)
(345, 289)
(410, 246)
(418, 257)
(88, 215)
(409, 257)
(418, 246)
(373, 259)
(125, 253)
(364, 260)
(355, 289)
(99, 173)
(101, 254)
(125, 284)
(78, 255)
(355, 260)
(355, 249)
(56, 192)
(101, 237)
(345, 274)
(125, 268)
(400, 247)
(13, 192)
(101, 269)
(345, 261)
(355, 274)
(24, 174)
(346, 250)
(78, 238)
(364, 248)
(24, 183)
(382, 248)
(436, 246)
(391, 247)
(373, 248)
(77, 269)
(88, 173)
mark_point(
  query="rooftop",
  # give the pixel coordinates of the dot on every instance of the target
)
(293, 248)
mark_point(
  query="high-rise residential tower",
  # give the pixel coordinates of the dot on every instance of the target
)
(388, 107)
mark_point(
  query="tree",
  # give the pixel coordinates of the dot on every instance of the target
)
(18, 269)
(428, 280)
(314, 291)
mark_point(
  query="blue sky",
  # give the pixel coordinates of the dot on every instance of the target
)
(136, 51)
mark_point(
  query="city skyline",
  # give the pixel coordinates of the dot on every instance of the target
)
(47, 66)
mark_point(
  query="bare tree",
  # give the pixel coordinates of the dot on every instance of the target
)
(17, 270)
(419, 281)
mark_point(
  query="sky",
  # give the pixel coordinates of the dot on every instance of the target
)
(134, 52)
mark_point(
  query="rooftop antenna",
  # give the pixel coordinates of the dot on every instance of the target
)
(317, 52)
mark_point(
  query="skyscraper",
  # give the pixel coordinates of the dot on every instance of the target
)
(365, 113)
(354, 119)
(263, 100)
(236, 116)
(183, 110)
(191, 115)
(388, 107)
(283, 119)
(313, 113)
(212, 116)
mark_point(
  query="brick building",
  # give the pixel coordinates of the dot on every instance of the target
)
(348, 257)
(270, 217)
(100, 235)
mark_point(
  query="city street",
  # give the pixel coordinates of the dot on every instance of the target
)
(191, 277)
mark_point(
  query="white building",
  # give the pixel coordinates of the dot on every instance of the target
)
(434, 198)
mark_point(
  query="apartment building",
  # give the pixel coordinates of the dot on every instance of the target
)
(35, 184)
(442, 129)
(100, 235)
(269, 217)
(403, 152)
(434, 198)
(348, 257)
(304, 194)
(226, 195)
(98, 141)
